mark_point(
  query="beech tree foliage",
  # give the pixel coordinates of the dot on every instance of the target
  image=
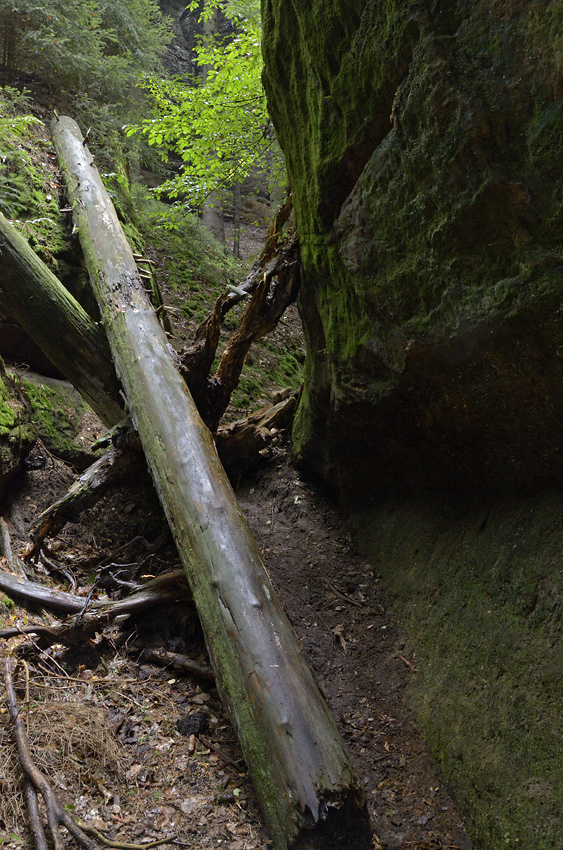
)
(216, 122)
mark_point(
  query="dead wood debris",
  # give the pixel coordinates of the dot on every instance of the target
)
(117, 464)
(271, 286)
(89, 616)
(176, 661)
(14, 563)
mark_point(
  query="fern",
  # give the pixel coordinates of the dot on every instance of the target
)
(11, 191)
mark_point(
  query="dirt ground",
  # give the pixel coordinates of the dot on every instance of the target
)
(111, 730)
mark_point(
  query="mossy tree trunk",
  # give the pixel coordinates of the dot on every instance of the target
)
(297, 760)
(31, 293)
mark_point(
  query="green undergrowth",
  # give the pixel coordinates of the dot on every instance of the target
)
(191, 267)
(195, 267)
(29, 193)
(17, 433)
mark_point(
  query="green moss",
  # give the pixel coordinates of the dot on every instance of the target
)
(57, 412)
(478, 587)
(17, 433)
(8, 416)
(423, 145)
(424, 158)
(6, 602)
(28, 187)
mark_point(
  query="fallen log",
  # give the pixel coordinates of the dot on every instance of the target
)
(244, 444)
(241, 446)
(301, 771)
(74, 343)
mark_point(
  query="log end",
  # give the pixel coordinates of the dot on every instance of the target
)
(343, 827)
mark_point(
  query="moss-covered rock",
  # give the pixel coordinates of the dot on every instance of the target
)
(17, 433)
(422, 142)
(57, 411)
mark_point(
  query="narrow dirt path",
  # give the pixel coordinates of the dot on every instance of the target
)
(359, 652)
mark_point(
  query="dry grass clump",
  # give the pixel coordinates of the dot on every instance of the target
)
(70, 741)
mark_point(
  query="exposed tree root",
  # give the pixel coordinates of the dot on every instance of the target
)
(242, 447)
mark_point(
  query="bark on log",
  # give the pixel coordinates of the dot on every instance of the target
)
(301, 771)
(76, 345)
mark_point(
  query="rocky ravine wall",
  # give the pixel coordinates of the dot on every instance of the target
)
(424, 146)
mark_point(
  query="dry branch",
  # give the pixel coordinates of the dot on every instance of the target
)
(119, 463)
(56, 814)
(167, 588)
(273, 286)
(14, 563)
(301, 771)
(176, 661)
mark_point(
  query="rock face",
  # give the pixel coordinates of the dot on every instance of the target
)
(423, 143)
(423, 147)
(180, 56)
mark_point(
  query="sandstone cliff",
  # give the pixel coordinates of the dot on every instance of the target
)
(423, 146)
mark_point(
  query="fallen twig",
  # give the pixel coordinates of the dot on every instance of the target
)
(343, 596)
(121, 845)
(178, 662)
(227, 759)
(14, 562)
(56, 814)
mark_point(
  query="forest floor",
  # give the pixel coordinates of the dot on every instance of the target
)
(107, 727)
(111, 730)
